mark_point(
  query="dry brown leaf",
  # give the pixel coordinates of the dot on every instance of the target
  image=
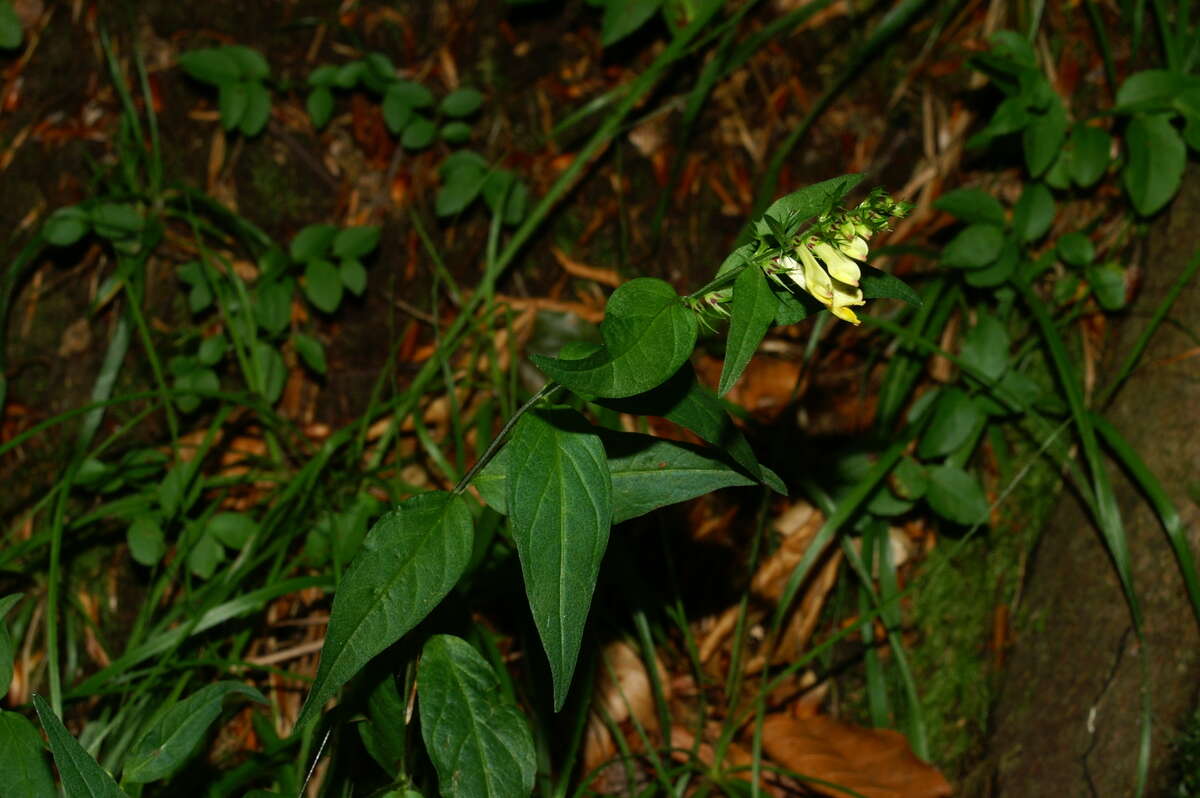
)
(623, 691)
(876, 763)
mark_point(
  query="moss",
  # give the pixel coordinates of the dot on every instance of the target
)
(1186, 759)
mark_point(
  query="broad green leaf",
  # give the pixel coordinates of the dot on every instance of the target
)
(310, 351)
(455, 132)
(323, 285)
(323, 76)
(1043, 138)
(462, 185)
(232, 98)
(955, 418)
(1149, 90)
(147, 544)
(909, 479)
(1033, 213)
(876, 284)
(199, 380)
(1108, 285)
(320, 106)
(795, 305)
(623, 17)
(476, 736)
(273, 306)
(410, 560)
(116, 220)
(956, 495)
(66, 226)
(560, 507)
(753, 309)
(171, 741)
(648, 334)
(385, 732)
(1090, 149)
(204, 556)
(10, 27)
(683, 400)
(210, 65)
(647, 473)
(974, 247)
(249, 61)
(396, 112)
(1191, 132)
(1156, 159)
(312, 242)
(381, 65)
(348, 74)
(6, 645)
(355, 242)
(418, 133)
(354, 276)
(232, 529)
(258, 109)
(82, 776)
(212, 349)
(411, 94)
(461, 102)
(809, 201)
(1076, 249)
(272, 372)
(23, 759)
(998, 271)
(986, 346)
(971, 205)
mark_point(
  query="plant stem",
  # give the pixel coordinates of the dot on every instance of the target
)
(545, 391)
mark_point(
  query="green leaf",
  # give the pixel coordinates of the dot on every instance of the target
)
(320, 106)
(560, 508)
(349, 73)
(323, 285)
(250, 62)
(623, 17)
(418, 133)
(1043, 138)
(876, 284)
(201, 380)
(648, 334)
(646, 472)
(323, 76)
(462, 102)
(1076, 249)
(1191, 132)
(10, 27)
(456, 132)
(355, 242)
(258, 109)
(232, 529)
(1149, 90)
(385, 732)
(955, 418)
(956, 495)
(232, 98)
(396, 112)
(974, 247)
(1108, 285)
(82, 776)
(462, 185)
(23, 759)
(6, 645)
(116, 220)
(1090, 149)
(211, 350)
(1034, 213)
(204, 557)
(66, 226)
(986, 346)
(272, 372)
(407, 564)
(684, 401)
(971, 205)
(147, 544)
(753, 309)
(414, 95)
(353, 275)
(210, 65)
(310, 351)
(170, 742)
(312, 242)
(909, 479)
(273, 306)
(809, 201)
(795, 305)
(478, 739)
(1156, 160)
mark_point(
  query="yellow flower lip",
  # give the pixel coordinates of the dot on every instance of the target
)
(840, 267)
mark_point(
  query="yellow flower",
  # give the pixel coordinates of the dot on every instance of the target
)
(834, 285)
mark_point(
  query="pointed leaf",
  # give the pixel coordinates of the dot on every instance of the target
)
(1156, 159)
(408, 563)
(82, 776)
(560, 506)
(647, 473)
(623, 17)
(648, 334)
(809, 201)
(172, 740)
(877, 284)
(753, 309)
(477, 738)
(956, 495)
(23, 759)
